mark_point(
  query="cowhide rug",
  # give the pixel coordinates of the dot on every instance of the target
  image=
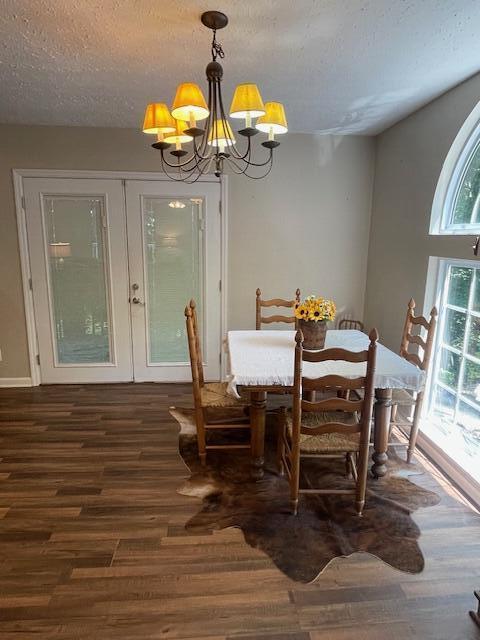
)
(325, 528)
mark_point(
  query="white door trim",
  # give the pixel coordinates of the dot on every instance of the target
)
(18, 177)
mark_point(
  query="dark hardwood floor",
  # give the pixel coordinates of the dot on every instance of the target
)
(93, 545)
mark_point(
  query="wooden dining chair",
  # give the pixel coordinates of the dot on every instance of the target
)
(332, 427)
(349, 323)
(274, 302)
(401, 397)
(211, 396)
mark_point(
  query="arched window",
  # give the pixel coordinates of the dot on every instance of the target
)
(456, 205)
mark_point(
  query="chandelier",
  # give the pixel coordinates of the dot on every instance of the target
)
(204, 126)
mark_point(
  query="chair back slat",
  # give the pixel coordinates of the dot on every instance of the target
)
(408, 337)
(332, 404)
(420, 320)
(277, 302)
(274, 302)
(332, 382)
(335, 354)
(349, 323)
(277, 318)
(333, 427)
(414, 339)
(413, 358)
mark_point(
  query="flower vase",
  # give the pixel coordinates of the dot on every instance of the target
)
(313, 334)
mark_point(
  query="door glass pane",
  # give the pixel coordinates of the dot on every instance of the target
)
(471, 381)
(454, 328)
(473, 344)
(459, 286)
(444, 404)
(449, 368)
(77, 269)
(453, 422)
(476, 292)
(173, 263)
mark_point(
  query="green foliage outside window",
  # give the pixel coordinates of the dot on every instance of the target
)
(468, 192)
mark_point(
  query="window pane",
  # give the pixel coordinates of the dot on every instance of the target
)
(459, 286)
(76, 256)
(466, 205)
(476, 291)
(471, 380)
(469, 418)
(173, 250)
(449, 369)
(454, 328)
(473, 345)
(444, 403)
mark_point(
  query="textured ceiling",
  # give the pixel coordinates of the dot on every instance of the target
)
(344, 66)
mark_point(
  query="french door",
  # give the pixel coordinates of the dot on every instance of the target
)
(113, 264)
(174, 249)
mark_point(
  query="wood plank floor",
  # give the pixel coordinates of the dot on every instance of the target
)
(93, 544)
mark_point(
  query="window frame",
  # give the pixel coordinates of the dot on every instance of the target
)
(457, 162)
(441, 297)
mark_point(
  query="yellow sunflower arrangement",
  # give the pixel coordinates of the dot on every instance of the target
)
(315, 309)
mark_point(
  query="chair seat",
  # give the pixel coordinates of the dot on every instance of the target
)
(215, 394)
(326, 442)
(402, 397)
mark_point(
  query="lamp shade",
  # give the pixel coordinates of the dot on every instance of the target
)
(189, 101)
(221, 134)
(158, 119)
(274, 119)
(60, 250)
(247, 101)
(179, 134)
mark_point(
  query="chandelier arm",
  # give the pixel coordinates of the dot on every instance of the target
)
(234, 167)
(179, 165)
(198, 152)
(202, 150)
(261, 164)
(264, 175)
(269, 162)
(233, 147)
(184, 178)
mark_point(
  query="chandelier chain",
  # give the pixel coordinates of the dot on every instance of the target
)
(217, 49)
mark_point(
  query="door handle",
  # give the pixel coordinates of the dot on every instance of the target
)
(136, 300)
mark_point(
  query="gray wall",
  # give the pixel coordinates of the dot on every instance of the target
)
(409, 159)
(306, 225)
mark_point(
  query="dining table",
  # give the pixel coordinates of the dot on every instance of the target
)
(262, 361)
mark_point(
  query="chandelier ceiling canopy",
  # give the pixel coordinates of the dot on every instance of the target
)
(203, 124)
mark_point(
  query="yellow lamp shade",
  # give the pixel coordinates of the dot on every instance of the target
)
(221, 134)
(274, 119)
(178, 135)
(247, 101)
(189, 101)
(158, 119)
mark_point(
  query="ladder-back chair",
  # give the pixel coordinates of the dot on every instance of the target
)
(402, 397)
(348, 323)
(211, 396)
(332, 427)
(274, 302)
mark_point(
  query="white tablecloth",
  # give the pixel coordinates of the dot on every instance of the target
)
(265, 358)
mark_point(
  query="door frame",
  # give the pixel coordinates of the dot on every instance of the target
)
(20, 174)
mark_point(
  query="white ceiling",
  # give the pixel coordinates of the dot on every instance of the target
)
(343, 66)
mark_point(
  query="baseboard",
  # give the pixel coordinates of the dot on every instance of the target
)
(450, 468)
(15, 382)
